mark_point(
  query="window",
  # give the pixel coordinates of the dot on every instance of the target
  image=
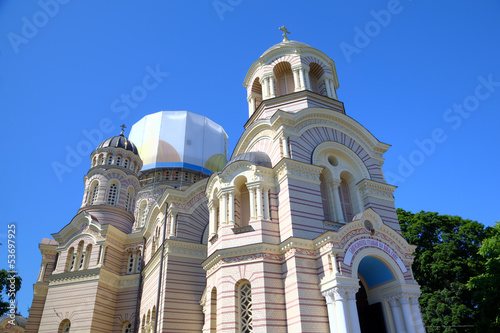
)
(110, 159)
(88, 252)
(325, 198)
(315, 73)
(128, 199)
(244, 199)
(345, 201)
(142, 213)
(126, 327)
(112, 194)
(213, 310)
(138, 262)
(65, 326)
(118, 160)
(71, 259)
(125, 163)
(94, 193)
(101, 160)
(130, 265)
(284, 78)
(245, 307)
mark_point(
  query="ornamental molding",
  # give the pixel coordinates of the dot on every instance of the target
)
(88, 275)
(287, 168)
(319, 152)
(370, 188)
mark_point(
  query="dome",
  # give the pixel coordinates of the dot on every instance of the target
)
(289, 44)
(254, 157)
(180, 139)
(119, 141)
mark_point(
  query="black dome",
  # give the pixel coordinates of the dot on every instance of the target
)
(119, 141)
(255, 157)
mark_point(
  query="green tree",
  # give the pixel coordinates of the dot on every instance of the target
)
(5, 288)
(486, 286)
(445, 259)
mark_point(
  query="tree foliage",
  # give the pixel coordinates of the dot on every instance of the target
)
(486, 286)
(446, 258)
(6, 289)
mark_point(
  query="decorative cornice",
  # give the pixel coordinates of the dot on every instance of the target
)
(370, 188)
(287, 168)
(87, 275)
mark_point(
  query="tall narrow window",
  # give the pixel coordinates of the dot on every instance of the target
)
(213, 310)
(118, 160)
(130, 266)
(110, 159)
(94, 193)
(112, 194)
(138, 265)
(128, 199)
(125, 163)
(284, 78)
(142, 213)
(102, 160)
(315, 73)
(345, 201)
(71, 259)
(245, 307)
(244, 206)
(325, 198)
(87, 256)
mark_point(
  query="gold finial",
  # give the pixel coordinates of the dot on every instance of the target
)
(285, 31)
(123, 129)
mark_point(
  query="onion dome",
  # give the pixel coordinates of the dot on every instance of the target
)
(254, 157)
(119, 141)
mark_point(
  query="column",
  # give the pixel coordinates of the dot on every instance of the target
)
(301, 74)
(296, 79)
(332, 88)
(101, 255)
(284, 143)
(212, 221)
(251, 106)
(308, 83)
(259, 202)
(252, 203)
(266, 204)
(271, 87)
(231, 208)
(353, 310)
(328, 89)
(338, 206)
(340, 310)
(417, 316)
(173, 222)
(42, 272)
(404, 300)
(223, 209)
(331, 311)
(266, 88)
(396, 313)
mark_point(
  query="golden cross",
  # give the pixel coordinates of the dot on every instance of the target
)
(123, 128)
(285, 31)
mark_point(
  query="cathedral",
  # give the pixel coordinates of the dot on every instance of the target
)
(296, 231)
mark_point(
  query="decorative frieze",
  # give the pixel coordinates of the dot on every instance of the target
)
(370, 188)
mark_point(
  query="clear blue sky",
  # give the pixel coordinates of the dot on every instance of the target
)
(423, 76)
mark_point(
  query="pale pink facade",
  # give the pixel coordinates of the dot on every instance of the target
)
(297, 233)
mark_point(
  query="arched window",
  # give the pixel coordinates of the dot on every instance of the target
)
(315, 73)
(113, 193)
(126, 162)
(130, 264)
(245, 307)
(244, 201)
(110, 159)
(71, 259)
(141, 218)
(345, 200)
(94, 193)
(213, 310)
(256, 93)
(284, 78)
(80, 259)
(94, 161)
(101, 160)
(65, 326)
(118, 160)
(138, 265)
(325, 198)
(88, 252)
(128, 199)
(126, 327)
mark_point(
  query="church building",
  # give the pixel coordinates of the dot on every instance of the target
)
(295, 232)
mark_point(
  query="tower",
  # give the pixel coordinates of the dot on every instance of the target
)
(303, 232)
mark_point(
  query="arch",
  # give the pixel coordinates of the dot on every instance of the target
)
(244, 306)
(138, 265)
(64, 326)
(256, 92)
(93, 192)
(241, 202)
(71, 260)
(113, 192)
(129, 198)
(88, 253)
(126, 327)
(102, 159)
(80, 259)
(118, 160)
(126, 162)
(284, 78)
(143, 212)
(213, 310)
(315, 74)
(348, 199)
(326, 198)
(130, 263)
(110, 159)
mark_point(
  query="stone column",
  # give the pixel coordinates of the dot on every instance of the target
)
(231, 208)
(223, 209)
(267, 213)
(259, 202)
(417, 315)
(341, 310)
(252, 203)
(42, 272)
(332, 88)
(266, 88)
(328, 89)
(338, 206)
(173, 223)
(301, 75)
(396, 313)
(271, 87)
(404, 301)
(284, 143)
(353, 310)
(296, 79)
(331, 311)
(308, 83)
(212, 221)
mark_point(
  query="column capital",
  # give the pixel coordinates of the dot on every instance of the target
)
(393, 300)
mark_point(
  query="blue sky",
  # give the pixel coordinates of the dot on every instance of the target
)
(423, 76)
